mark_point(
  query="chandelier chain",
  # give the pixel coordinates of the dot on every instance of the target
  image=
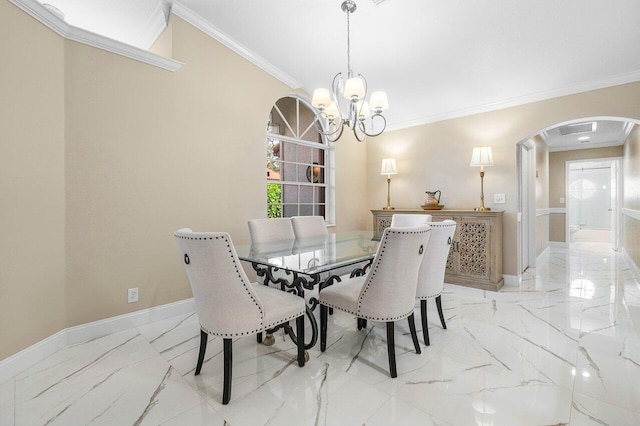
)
(349, 73)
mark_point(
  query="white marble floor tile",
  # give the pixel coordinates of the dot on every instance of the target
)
(398, 412)
(562, 347)
(202, 414)
(148, 392)
(7, 402)
(587, 411)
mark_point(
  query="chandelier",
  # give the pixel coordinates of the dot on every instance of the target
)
(345, 105)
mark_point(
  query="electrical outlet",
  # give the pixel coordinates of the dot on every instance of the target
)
(499, 199)
(561, 200)
(132, 295)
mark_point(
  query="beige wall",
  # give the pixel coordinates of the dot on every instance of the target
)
(631, 170)
(542, 193)
(147, 151)
(32, 274)
(557, 182)
(436, 156)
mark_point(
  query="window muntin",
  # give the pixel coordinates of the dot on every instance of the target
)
(297, 160)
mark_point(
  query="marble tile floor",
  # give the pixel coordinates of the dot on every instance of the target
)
(561, 348)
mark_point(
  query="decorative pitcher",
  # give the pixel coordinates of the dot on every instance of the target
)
(433, 198)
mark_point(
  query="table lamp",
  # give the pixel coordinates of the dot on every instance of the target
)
(481, 157)
(389, 168)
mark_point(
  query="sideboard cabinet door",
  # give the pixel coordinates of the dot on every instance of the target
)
(475, 256)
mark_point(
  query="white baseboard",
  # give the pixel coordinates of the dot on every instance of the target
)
(634, 268)
(544, 255)
(9, 367)
(35, 353)
(557, 244)
(511, 280)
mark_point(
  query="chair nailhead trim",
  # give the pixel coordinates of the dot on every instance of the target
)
(226, 240)
(374, 270)
(257, 330)
(428, 297)
(399, 317)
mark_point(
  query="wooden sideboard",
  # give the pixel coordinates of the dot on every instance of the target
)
(475, 257)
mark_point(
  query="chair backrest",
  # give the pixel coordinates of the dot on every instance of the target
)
(409, 220)
(389, 292)
(226, 302)
(265, 230)
(431, 277)
(308, 226)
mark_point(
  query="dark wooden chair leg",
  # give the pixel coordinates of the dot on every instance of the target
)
(203, 349)
(391, 349)
(425, 327)
(228, 363)
(362, 323)
(300, 337)
(414, 335)
(439, 305)
(323, 327)
(259, 337)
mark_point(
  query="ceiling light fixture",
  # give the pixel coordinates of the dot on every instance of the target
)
(345, 104)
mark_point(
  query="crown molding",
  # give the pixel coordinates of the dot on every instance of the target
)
(155, 25)
(69, 32)
(206, 27)
(615, 80)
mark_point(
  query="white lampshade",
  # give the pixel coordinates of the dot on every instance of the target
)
(321, 98)
(363, 109)
(378, 101)
(332, 110)
(389, 167)
(354, 88)
(481, 156)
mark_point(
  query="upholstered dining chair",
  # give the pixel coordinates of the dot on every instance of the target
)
(404, 219)
(387, 292)
(431, 277)
(266, 230)
(228, 305)
(308, 226)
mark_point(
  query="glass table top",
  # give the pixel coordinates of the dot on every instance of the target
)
(314, 254)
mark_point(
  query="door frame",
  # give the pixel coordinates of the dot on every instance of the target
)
(617, 232)
(527, 204)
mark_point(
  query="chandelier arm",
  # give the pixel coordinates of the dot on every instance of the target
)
(320, 128)
(335, 87)
(360, 127)
(358, 111)
(384, 125)
(341, 129)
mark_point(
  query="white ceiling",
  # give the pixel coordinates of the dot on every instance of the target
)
(435, 59)
(606, 133)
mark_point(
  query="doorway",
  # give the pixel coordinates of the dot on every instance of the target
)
(526, 206)
(593, 194)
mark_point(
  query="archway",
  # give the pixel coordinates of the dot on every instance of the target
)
(535, 216)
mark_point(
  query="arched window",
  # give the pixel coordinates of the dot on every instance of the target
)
(298, 162)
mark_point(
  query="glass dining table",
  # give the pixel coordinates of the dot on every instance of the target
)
(303, 264)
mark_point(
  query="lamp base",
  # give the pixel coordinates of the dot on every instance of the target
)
(388, 208)
(482, 209)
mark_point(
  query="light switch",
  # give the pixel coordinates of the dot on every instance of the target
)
(561, 200)
(499, 199)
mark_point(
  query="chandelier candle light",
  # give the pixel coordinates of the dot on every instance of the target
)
(389, 168)
(345, 104)
(481, 157)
